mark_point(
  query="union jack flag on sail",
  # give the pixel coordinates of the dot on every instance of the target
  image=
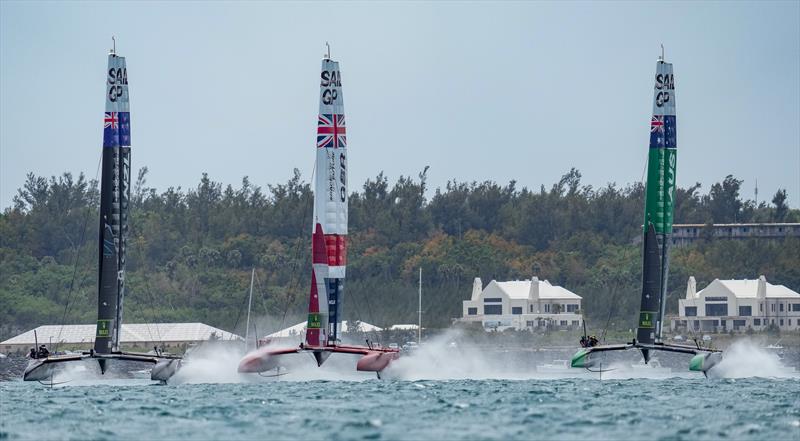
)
(657, 124)
(110, 120)
(331, 131)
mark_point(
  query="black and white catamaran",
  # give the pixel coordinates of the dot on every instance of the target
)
(113, 231)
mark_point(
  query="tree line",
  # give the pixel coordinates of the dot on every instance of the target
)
(191, 250)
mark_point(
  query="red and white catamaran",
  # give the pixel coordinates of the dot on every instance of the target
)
(329, 245)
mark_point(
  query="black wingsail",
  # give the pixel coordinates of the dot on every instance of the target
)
(114, 197)
(650, 309)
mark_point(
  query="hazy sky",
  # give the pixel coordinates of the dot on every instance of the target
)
(477, 91)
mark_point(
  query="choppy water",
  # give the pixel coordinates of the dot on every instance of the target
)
(678, 408)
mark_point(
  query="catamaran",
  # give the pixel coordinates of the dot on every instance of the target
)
(659, 202)
(328, 245)
(114, 204)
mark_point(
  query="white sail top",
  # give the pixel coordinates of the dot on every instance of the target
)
(664, 91)
(330, 188)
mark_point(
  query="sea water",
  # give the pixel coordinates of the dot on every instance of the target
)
(569, 408)
(436, 392)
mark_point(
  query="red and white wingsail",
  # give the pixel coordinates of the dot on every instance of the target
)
(329, 238)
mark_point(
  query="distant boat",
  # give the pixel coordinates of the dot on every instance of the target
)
(659, 203)
(114, 205)
(328, 245)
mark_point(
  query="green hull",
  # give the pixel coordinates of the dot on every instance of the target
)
(580, 359)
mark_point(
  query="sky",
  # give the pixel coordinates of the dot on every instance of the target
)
(477, 91)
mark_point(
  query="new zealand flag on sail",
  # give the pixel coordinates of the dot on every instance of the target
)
(117, 129)
(662, 132)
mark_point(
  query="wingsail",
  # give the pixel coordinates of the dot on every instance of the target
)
(329, 235)
(114, 198)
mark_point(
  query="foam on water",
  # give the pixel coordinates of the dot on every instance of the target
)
(744, 358)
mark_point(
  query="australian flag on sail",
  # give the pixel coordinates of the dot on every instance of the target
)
(117, 129)
(331, 131)
(662, 132)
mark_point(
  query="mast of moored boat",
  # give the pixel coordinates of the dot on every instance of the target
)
(419, 309)
(249, 307)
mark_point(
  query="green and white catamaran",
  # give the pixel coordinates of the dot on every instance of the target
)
(657, 231)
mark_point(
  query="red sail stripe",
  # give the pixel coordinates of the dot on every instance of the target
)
(336, 246)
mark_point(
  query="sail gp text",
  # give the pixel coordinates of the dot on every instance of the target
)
(664, 84)
(330, 82)
(117, 79)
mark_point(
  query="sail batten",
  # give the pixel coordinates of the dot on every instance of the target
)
(329, 231)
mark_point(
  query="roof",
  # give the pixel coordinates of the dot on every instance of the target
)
(749, 288)
(519, 289)
(403, 327)
(131, 333)
(300, 328)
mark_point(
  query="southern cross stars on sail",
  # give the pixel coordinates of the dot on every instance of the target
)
(662, 131)
(116, 129)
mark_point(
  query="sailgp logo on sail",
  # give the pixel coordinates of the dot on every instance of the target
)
(117, 80)
(331, 80)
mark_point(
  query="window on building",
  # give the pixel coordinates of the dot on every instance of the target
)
(756, 322)
(546, 307)
(760, 307)
(563, 323)
(739, 324)
(576, 323)
(493, 309)
(781, 305)
(696, 325)
(531, 308)
(572, 308)
(492, 300)
(781, 322)
(716, 310)
(691, 311)
(745, 311)
(517, 310)
(795, 307)
(472, 311)
(530, 323)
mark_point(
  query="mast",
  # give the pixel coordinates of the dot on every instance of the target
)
(114, 204)
(419, 310)
(660, 188)
(249, 306)
(329, 233)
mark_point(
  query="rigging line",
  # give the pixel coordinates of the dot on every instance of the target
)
(263, 303)
(149, 292)
(294, 276)
(77, 261)
(239, 316)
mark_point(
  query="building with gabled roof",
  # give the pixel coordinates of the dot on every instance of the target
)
(736, 305)
(522, 304)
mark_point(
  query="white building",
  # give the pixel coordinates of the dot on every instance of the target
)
(522, 304)
(298, 331)
(736, 305)
(144, 335)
